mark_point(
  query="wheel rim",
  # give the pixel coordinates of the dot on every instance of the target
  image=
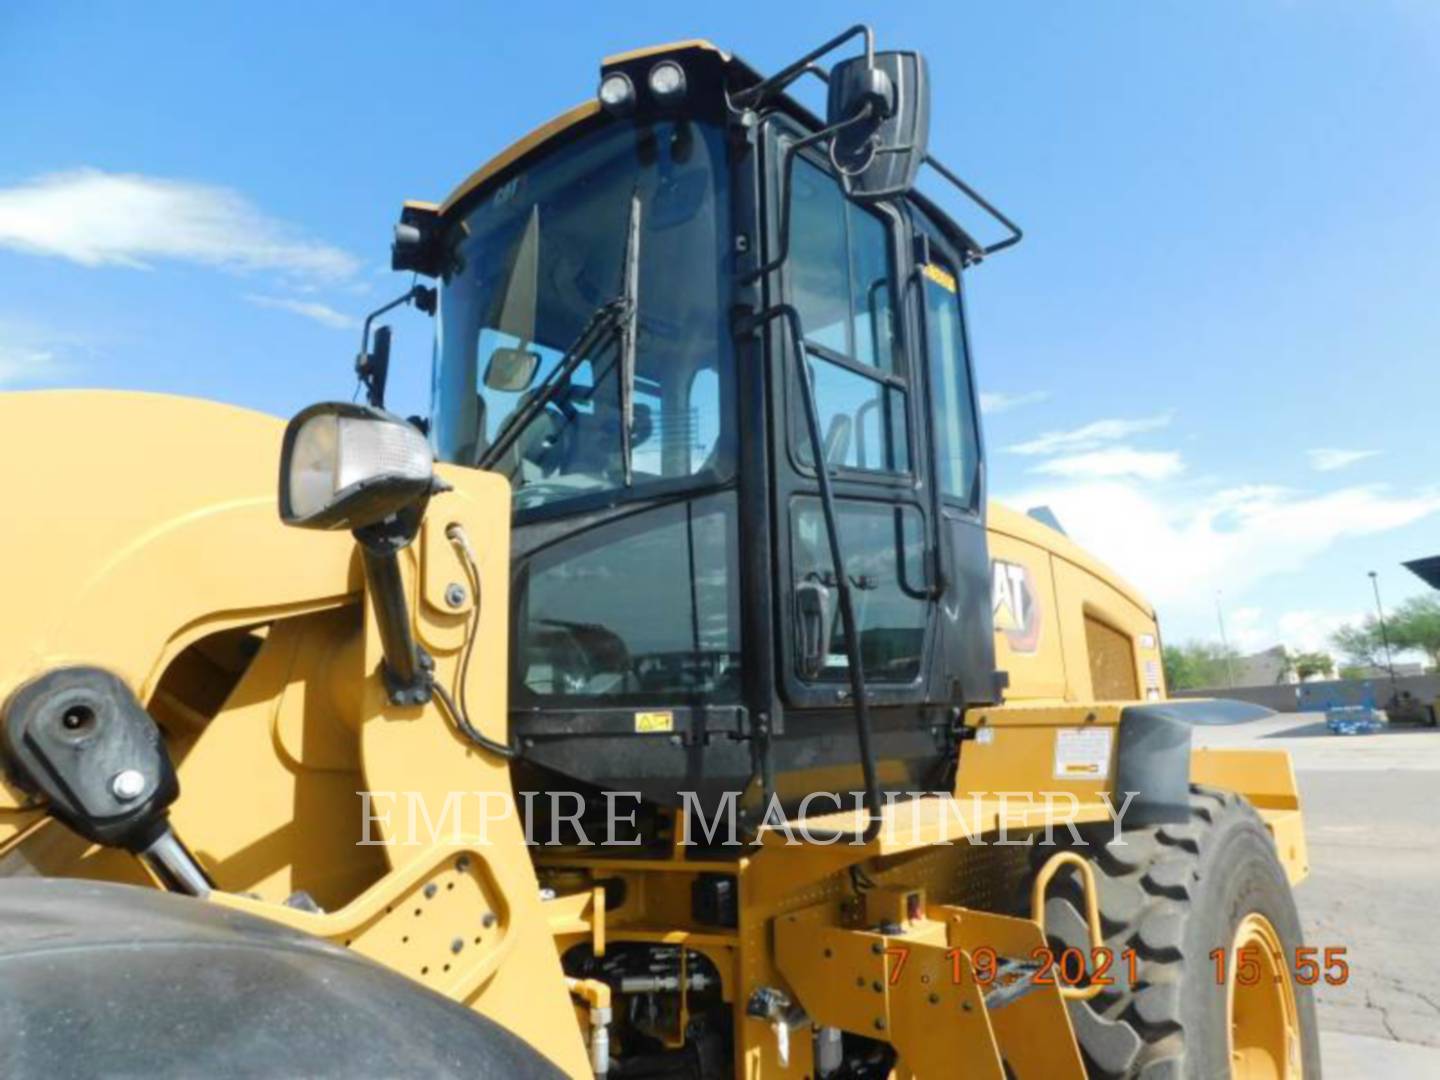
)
(1264, 1024)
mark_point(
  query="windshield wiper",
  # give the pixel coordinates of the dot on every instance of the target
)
(621, 312)
(629, 332)
(602, 321)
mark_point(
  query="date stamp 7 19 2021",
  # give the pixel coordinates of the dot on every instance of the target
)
(1105, 967)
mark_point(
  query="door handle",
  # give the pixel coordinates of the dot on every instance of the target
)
(812, 627)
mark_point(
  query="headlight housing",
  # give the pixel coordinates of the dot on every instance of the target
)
(667, 83)
(345, 466)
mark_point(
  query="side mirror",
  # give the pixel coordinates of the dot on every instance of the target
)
(372, 367)
(511, 370)
(345, 466)
(879, 157)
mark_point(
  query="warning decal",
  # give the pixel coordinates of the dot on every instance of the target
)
(1083, 753)
(652, 722)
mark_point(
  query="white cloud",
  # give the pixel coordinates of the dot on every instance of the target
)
(1309, 631)
(1179, 550)
(1091, 436)
(1245, 631)
(1304, 630)
(96, 218)
(34, 355)
(23, 365)
(321, 313)
(1114, 461)
(1328, 460)
(997, 401)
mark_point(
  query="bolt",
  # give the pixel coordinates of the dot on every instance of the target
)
(966, 1006)
(934, 999)
(128, 785)
(488, 919)
(877, 987)
(456, 945)
(455, 594)
(879, 1023)
(878, 948)
(860, 980)
(431, 890)
(462, 864)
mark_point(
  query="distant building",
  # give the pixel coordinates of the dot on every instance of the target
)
(1265, 668)
(1403, 669)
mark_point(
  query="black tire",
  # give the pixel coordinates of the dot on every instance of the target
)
(113, 980)
(1173, 893)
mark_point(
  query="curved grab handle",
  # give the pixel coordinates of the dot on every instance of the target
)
(1092, 912)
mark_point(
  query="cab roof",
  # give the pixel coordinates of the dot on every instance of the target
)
(736, 69)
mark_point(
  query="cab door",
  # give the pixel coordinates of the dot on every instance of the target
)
(844, 275)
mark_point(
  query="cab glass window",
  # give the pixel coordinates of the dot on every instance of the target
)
(957, 443)
(841, 282)
(640, 608)
(884, 548)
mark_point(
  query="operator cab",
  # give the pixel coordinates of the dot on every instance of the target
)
(620, 298)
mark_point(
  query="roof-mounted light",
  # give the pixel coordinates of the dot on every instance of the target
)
(617, 93)
(667, 83)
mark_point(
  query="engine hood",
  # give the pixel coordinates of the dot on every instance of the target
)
(134, 520)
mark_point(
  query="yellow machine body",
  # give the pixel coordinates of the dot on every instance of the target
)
(151, 548)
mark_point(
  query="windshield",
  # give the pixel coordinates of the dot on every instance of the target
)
(529, 267)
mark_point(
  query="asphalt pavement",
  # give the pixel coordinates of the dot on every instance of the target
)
(1372, 822)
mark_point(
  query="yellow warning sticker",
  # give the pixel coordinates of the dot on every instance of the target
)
(942, 277)
(654, 721)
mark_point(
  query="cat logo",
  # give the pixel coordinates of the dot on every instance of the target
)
(1015, 605)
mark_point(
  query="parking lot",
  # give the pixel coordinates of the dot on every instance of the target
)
(1373, 826)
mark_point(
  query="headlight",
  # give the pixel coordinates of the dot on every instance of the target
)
(617, 93)
(667, 82)
(346, 466)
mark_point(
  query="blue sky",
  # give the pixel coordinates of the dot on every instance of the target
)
(1215, 355)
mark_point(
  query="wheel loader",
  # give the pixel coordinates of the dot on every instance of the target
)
(669, 702)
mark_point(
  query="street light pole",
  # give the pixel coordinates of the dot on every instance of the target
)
(1225, 644)
(1384, 633)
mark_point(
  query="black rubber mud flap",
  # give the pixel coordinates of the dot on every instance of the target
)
(113, 980)
(1153, 755)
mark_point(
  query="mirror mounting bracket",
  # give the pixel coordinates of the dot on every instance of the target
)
(406, 668)
(372, 363)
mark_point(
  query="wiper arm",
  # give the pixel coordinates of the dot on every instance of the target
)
(602, 321)
(629, 331)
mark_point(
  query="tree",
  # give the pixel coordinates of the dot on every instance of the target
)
(1303, 665)
(1308, 664)
(1198, 665)
(1415, 626)
(1360, 645)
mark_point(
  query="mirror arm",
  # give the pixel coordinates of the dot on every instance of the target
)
(373, 376)
(752, 97)
(979, 200)
(787, 171)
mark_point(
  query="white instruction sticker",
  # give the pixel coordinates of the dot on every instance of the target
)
(1082, 753)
